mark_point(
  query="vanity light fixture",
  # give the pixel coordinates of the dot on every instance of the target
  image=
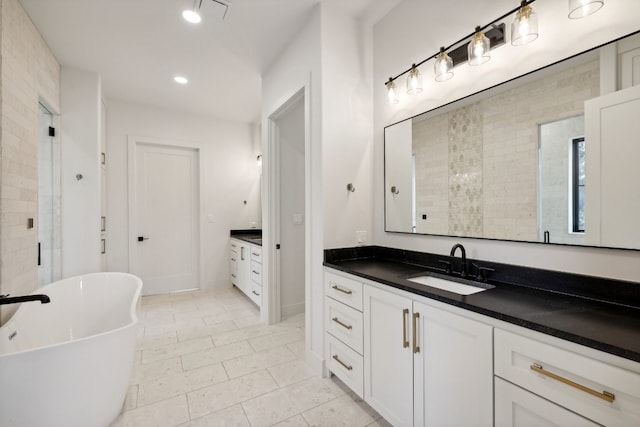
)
(181, 80)
(414, 81)
(392, 98)
(581, 8)
(478, 48)
(193, 15)
(443, 66)
(524, 28)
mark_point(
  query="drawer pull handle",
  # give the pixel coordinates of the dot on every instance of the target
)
(255, 254)
(255, 293)
(416, 347)
(233, 275)
(605, 395)
(255, 272)
(337, 359)
(233, 259)
(344, 325)
(405, 318)
(339, 289)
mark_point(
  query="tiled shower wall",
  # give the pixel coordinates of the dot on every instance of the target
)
(485, 183)
(29, 74)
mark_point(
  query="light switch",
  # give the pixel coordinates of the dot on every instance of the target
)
(298, 219)
(361, 238)
(210, 218)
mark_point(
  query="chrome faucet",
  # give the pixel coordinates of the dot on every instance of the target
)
(6, 299)
(463, 267)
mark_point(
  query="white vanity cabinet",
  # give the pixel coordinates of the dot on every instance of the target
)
(343, 327)
(245, 267)
(256, 274)
(422, 364)
(578, 380)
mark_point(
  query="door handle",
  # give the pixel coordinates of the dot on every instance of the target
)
(141, 238)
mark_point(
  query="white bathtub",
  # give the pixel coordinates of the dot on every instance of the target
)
(67, 363)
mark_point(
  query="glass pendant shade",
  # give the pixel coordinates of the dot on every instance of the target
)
(524, 28)
(392, 98)
(414, 81)
(478, 49)
(443, 66)
(581, 8)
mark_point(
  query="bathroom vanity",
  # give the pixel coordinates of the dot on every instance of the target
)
(245, 263)
(422, 347)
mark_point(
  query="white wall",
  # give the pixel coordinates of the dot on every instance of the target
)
(415, 30)
(347, 127)
(80, 104)
(298, 68)
(231, 175)
(330, 59)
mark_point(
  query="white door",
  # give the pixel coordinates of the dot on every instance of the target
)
(164, 221)
(453, 367)
(388, 356)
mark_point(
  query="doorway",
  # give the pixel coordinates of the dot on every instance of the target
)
(288, 149)
(164, 249)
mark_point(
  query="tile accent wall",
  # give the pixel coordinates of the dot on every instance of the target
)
(29, 73)
(484, 183)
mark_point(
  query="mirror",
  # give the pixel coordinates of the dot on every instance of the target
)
(533, 159)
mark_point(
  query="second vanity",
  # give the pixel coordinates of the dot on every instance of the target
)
(532, 347)
(245, 263)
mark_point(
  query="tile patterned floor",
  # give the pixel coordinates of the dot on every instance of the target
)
(204, 359)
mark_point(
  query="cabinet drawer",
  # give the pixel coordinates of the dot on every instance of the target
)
(575, 381)
(516, 407)
(344, 323)
(347, 291)
(256, 254)
(256, 272)
(345, 364)
(256, 293)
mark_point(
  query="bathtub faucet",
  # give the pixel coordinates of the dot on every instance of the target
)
(6, 299)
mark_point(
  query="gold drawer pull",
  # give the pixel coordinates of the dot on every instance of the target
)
(337, 359)
(416, 347)
(339, 289)
(405, 338)
(605, 395)
(344, 325)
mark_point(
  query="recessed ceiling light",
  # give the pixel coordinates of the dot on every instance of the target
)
(180, 79)
(192, 16)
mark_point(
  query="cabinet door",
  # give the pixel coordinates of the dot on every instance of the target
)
(388, 357)
(244, 268)
(453, 368)
(516, 407)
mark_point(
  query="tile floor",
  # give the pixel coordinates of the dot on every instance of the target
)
(204, 359)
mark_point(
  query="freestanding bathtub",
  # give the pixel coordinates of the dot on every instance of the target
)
(67, 363)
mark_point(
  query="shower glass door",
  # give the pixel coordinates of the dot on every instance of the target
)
(45, 196)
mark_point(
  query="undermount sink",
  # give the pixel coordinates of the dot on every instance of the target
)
(448, 285)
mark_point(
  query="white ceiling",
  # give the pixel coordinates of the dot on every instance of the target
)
(137, 46)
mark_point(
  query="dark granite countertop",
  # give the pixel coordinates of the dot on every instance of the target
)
(251, 235)
(608, 326)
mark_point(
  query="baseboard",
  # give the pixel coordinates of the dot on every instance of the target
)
(291, 310)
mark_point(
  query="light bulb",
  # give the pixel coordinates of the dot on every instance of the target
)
(581, 8)
(443, 66)
(192, 16)
(478, 48)
(414, 81)
(181, 79)
(392, 99)
(524, 28)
